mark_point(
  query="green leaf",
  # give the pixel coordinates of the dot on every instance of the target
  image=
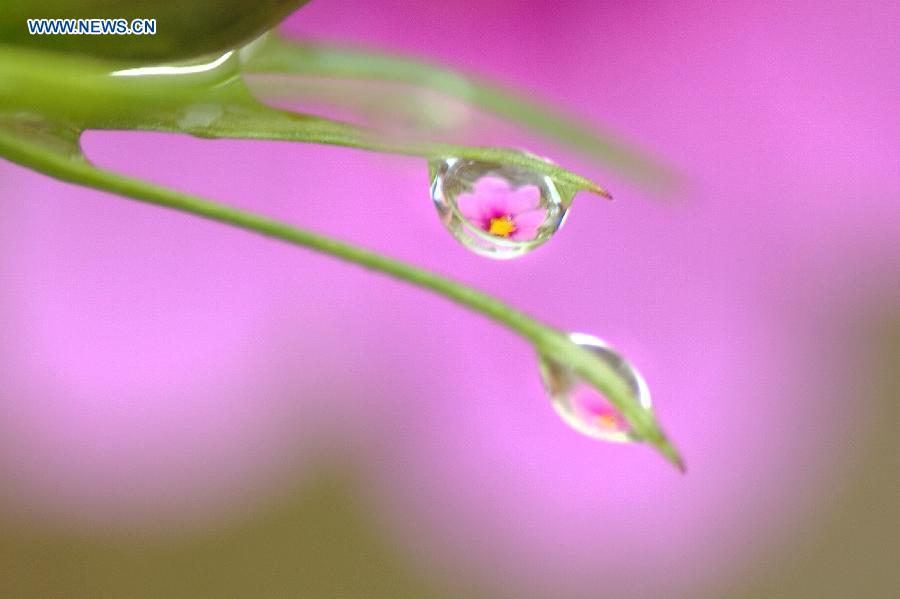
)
(17, 145)
(208, 99)
(252, 120)
(276, 55)
(184, 28)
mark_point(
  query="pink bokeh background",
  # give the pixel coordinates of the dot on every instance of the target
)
(158, 369)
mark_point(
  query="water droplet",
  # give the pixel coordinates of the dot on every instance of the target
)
(582, 406)
(496, 210)
(200, 116)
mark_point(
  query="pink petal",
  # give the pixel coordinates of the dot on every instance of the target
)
(470, 206)
(527, 224)
(491, 186)
(493, 194)
(523, 199)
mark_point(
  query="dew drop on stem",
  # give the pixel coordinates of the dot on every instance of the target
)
(496, 210)
(582, 406)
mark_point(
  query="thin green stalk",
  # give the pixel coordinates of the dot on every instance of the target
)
(545, 339)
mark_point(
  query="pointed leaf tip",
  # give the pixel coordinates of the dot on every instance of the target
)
(665, 447)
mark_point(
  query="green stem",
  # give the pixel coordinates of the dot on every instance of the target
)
(545, 339)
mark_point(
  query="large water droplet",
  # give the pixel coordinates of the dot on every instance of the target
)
(496, 210)
(582, 406)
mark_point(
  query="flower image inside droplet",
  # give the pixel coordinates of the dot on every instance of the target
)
(583, 407)
(496, 210)
(501, 210)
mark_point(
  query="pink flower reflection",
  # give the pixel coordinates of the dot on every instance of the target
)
(591, 407)
(503, 211)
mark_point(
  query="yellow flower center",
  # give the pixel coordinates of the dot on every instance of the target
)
(502, 226)
(607, 422)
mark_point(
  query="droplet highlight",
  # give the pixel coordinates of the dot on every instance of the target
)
(583, 407)
(496, 210)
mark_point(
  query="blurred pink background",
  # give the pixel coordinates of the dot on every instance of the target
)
(160, 372)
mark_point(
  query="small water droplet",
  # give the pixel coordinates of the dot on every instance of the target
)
(582, 406)
(496, 210)
(200, 116)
